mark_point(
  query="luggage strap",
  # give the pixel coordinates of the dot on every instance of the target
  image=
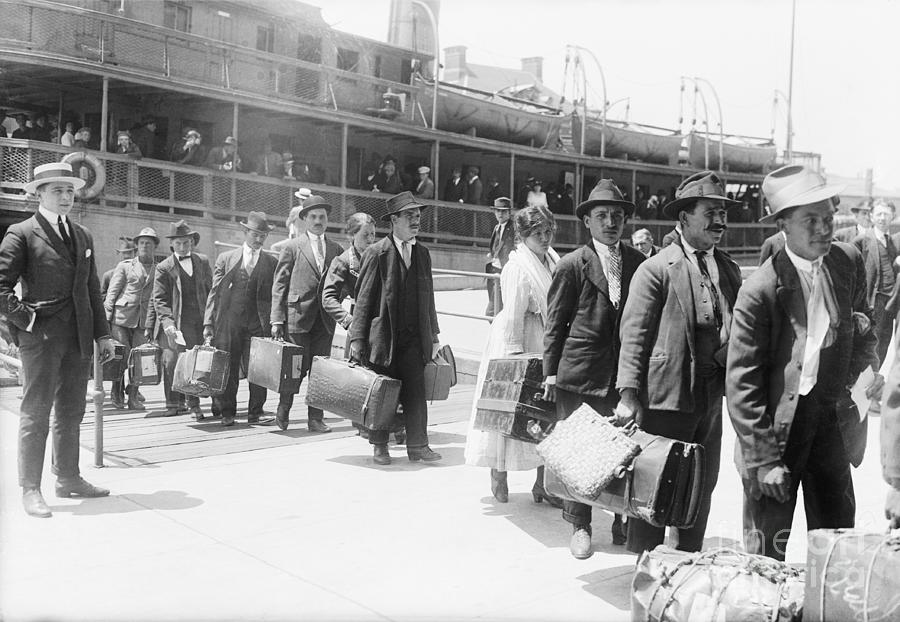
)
(869, 570)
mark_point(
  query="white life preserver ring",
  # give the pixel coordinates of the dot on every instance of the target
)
(91, 170)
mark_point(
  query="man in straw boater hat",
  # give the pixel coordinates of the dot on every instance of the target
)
(503, 242)
(395, 328)
(674, 332)
(128, 300)
(294, 225)
(581, 342)
(801, 335)
(175, 320)
(54, 323)
(297, 311)
(238, 308)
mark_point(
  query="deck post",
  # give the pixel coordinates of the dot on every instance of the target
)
(345, 145)
(98, 395)
(104, 115)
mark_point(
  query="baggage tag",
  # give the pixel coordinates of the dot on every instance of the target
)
(148, 368)
(296, 365)
(204, 360)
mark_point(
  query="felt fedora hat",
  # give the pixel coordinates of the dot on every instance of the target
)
(502, 203)
(126, 245)
(257, 221)
(400, 202)
(792, 186)
(314, 201)
(703, 185)
(147, 232)
(862, 206)
(53, 172)
(604, 193)
(181, 229)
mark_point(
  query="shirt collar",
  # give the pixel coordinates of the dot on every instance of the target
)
(52, 217)
(247, 249)
(313, 237)
(690, 250)
(602, 249)
(399, 243)
(801, 264)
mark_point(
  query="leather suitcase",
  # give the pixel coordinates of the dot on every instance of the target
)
(440, 375)
(661, 486)
(353, 392)
(275, 365)
(511, 399)
(852, 575)
(202, 371)
(145, 365)
(114, 368)
(718, 584)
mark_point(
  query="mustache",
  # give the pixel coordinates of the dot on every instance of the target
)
(717, 228)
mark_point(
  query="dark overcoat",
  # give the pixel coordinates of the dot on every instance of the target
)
(166, 300)
(220, 297)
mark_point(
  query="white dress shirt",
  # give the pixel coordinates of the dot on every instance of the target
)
(250, 258)
(53, 219)
(314, 241)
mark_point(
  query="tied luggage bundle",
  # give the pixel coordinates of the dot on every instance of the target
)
(274, 364)
(353, 392)
(719, 584)
(145, 365)
(511, 400)
(661, 486)
(852, 575)
(440, 375)
(201, 371)
(586, 451)
(114, 368)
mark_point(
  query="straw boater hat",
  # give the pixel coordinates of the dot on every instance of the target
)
(604, 193)
(793, 186)
(53, 172)
(705, 185)
(230, 140)
(303, 194)
(147, 232)
(314, 202)
(399, 203)
(181, 229)
(257, 221)
(126, 245)
(424, 169)
(502, 203)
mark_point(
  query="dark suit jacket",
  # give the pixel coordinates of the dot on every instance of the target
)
(506, 244)
(581, 344)
(770, 246)
(868, 245)
(340, 282)
(297, 286)
(455, 192)
(670, 237)
(165, 302)
(377, 298)
(765, 355)
(474, 191)
(128, 298)
(657, 356)
(54, 285)
(219, 299)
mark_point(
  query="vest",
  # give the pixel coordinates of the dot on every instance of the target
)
(242, 309)
(408, 300)
(886, 257)
(706, 334)
(191, 314)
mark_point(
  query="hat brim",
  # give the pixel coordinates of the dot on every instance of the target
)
(149, 237)
(248, 227)
(805, 198)
(304, 210)
(672, 208)
(583, 208)
(32, 186)
(189, 234)
(403, 209)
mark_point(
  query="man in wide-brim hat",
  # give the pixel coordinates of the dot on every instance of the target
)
(127, 305)
(238, 308)
(54, 321)
(181, 285)
(297, 299)
(862, 212)
(801, 335)
(502, 243)
(675, 331)
(584, 308)
(395, 327)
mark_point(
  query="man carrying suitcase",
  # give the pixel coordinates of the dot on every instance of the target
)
(395, 328)
(238, 308)
(297, 299)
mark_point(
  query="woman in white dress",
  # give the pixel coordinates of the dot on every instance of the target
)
(536, 196)
(517, 329)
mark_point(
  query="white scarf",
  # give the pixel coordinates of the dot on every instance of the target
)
(537, 272)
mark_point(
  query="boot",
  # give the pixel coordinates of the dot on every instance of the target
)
(499, 487)
(539, 494)
(618, 530)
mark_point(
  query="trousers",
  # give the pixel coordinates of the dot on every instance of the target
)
(130, 338)
(408, 366)
(317, 342)
(238, 346)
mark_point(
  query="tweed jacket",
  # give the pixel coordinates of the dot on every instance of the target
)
(506, 244)
(220, 296)
(765, 354)
(868, 245)
(297, 285)
(165, 301)
(377, 301)
(770, 246)
(581, 344)
(33, 253)
(129, 292)
(657, 356)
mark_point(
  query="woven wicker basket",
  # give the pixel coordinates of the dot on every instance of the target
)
(586, 451)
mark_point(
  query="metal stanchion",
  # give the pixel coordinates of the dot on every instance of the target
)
(98, 395)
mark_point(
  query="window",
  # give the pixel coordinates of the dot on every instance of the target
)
(177, 16)
(377, 67)
(309, 48)
(265, 38)
(347, 60)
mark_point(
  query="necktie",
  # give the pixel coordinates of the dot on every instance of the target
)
(713, 291)
(615, 275)
(406, 253)
(320, 248)
(817, 321)
(252, 263)
(67, 240)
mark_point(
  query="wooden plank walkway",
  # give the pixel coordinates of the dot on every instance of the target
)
(134, 438)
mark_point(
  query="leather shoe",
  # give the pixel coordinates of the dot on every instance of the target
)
(78, 487)
(197, 412)
(315, 425)
(618, 530)
(426, 454)
(133, 404)
(34, 503)
(380, 455)
(499, 486)
(118, 402)
(282, 416)
(580, 544)
(400, 437)
(227, 420)
(258, 418)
